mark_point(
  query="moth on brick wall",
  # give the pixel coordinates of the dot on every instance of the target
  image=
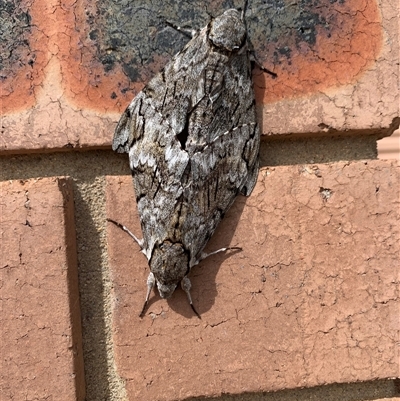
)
(193, 143)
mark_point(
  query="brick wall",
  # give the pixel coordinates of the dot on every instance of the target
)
(309, 309)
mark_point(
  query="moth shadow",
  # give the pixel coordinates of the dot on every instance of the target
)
(203, 276)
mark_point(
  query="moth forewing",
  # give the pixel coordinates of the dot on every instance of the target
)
(193, 143)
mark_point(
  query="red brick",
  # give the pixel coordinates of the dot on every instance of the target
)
(41, 346)
(22, 68)
(35, 110)
(306, 74)
(311, 300)
(345, 82)
(342, 100)
(86, 82)
(310, 72)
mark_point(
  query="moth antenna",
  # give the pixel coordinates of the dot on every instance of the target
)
(186, 286)
(251, 50)
(122, 227)
(254, 59)
(244, 10)
(190, 33)
(151, 280)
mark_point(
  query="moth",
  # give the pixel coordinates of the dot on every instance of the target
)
(193, 142)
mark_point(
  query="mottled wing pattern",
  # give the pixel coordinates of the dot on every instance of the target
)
(190, 157)
(223, 151)
(180, 80)
(207, 202)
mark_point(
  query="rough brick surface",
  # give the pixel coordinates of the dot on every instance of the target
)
(312, 299)
(363, 99)
(40, 320)
(77, 64)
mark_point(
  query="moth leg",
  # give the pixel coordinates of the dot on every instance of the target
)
(187, 32)
(206, 255)
(186, 286)
(122, 227)
(151, 280)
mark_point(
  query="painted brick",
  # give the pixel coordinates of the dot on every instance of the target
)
(80, 63)
(312, 298)
(41, 348)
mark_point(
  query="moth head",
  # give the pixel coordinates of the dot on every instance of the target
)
(169, 264)
(166, 290)
(228, 31)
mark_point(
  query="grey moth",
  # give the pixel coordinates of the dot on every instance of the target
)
(193, 142)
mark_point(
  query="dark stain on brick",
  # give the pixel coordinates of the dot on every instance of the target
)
(134, 34)
(15, 28)
(308, 43)
(22, 54)
(288, 25)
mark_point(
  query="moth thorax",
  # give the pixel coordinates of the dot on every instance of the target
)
(228, 31)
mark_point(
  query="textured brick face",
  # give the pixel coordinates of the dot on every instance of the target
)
(311, 299)
(71, 64)
(40, 320)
